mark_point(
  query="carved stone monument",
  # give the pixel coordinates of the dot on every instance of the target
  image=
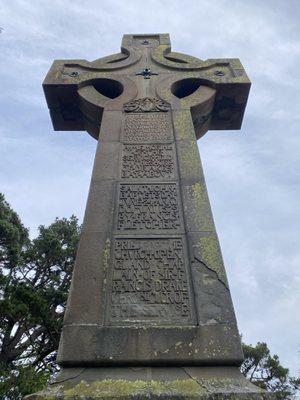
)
(149, 313)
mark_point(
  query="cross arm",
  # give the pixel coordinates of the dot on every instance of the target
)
(60, 87)
(223, 81)
(77, 91)
(232, 87)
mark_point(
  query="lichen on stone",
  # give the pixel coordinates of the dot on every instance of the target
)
(188, 389)
(189, 159)
(201, 210)
(124, 389)
(105, 259)
(183, 124)
(107, 388)
(211, 255)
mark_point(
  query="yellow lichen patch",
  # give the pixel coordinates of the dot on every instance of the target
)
(180, 387)
(189, 157)
(211, 255)
(188, 389)
(240, 79)
(114, 389)
(105, 259)
(192, 74)
(106, 254)
(83, 78)
(183, 124)
(159, 53)
(107, 388)
(188, 101)
(235, 63)
(166, 94)
(215, 384)
(201, 207)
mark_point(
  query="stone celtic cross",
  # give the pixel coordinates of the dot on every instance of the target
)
(149, 287)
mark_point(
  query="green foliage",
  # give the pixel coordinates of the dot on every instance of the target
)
(34, 281)
(265, 371)
(22, 380)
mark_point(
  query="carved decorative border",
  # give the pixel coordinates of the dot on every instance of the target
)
(147, 104)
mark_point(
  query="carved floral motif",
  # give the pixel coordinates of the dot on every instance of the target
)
(147, 104)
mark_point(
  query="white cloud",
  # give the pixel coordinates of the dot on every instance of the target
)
(252, 175)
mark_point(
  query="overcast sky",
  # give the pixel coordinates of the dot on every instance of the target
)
(252, 174)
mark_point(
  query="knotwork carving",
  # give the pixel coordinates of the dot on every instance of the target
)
(147, 104)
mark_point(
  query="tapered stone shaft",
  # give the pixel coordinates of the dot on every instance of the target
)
(149, 286)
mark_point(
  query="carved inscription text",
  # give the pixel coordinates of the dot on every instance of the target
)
(147, 161)
(148, 207)
(147, 127)
(149, 281)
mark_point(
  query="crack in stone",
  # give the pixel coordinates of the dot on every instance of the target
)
(213, 271)
(196, 380)
(68, 379)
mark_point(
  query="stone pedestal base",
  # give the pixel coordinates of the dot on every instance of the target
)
(151, 383)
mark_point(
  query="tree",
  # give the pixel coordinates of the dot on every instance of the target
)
(265, 371)
(34, 281)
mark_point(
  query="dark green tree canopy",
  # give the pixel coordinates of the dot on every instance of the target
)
(34, 281)
(35, 277)
(265, 371)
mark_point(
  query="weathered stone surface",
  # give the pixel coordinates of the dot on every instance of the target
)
(152, 275)
(150, 282)
(149, 161)
(193, 383)
(149, 288)
(151, 345)
(147, 127)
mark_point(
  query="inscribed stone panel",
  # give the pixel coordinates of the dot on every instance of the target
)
(149, 281)
(147, 127)
(149, 207)
(148, 161)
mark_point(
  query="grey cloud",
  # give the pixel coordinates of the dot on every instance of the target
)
(252, 176)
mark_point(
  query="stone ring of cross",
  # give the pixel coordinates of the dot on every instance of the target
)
(149, 285)
(78, 91)
(149, 313)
